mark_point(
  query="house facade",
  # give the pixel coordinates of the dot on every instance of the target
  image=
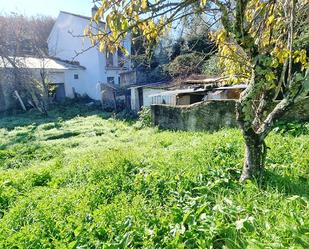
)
(67, 42)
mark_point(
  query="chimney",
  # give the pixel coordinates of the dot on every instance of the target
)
(94, 10)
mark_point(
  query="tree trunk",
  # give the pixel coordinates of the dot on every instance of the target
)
(255, 152)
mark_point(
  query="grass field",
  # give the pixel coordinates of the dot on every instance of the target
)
(92, 181)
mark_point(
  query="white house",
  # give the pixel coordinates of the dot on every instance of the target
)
(64, 75)
(67, 42)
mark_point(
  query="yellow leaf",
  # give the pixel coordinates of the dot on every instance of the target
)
(144, 4)
(203, 3)
(124, 24)
(98, 15)
(125, 51)
(270, 76)
(270, 20)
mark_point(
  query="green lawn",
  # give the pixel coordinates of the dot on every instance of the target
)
(91, 181)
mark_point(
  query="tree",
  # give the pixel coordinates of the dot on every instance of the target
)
(212, 66)
(186, 64)
(257, 42)
(151, 59)
(25, 36)
(25, 83)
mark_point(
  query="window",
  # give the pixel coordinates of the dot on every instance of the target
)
(75, 76)
(119, 80)
(109, 59)
(111, 80)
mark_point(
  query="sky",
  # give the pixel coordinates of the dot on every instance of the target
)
(45, 7)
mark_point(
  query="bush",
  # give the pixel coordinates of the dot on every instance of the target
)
(211, 67)
(294, 128)
(144, 118)
(185, 65)
(126, 114)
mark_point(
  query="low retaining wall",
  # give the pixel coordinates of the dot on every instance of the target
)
(211, 115)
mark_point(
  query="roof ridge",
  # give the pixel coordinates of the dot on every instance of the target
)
(35, 62)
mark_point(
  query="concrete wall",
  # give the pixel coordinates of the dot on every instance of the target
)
(211, 115)
(133, 77)
(128, 78)
(71, 83)
(134, 99)
(184, 100)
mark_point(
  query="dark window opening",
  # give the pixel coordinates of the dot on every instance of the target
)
(56, 92)
(75, 76)
(196, 98)
(140, 97)
(111, 80)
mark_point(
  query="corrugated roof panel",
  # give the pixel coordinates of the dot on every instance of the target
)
(38, 63)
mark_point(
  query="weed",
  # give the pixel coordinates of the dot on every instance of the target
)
(85, 181)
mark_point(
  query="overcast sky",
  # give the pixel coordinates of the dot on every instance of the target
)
(45, 7)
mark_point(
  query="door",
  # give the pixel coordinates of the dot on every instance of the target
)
(60, 93)
(140, 97)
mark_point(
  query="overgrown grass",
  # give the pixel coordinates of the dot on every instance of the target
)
(89, 181)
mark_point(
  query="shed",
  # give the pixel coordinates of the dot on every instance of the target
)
(226, 92)
(198, 94)
(179, 96)
(64, 76)
(140, 94)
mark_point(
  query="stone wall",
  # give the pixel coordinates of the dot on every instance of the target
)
(211, 115)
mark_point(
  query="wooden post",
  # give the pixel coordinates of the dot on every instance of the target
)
(20, 100)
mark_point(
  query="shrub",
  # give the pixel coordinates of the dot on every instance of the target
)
(211, 67)
(294, 128)
(144, 118)
(127, 114)
(185, 65)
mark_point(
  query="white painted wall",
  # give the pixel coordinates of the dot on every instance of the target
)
(56, 77)
(134, 99)
(65, 76)
(164, 99)
(146, 95)
(77, 84)
(148, 100)
(64, 45)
